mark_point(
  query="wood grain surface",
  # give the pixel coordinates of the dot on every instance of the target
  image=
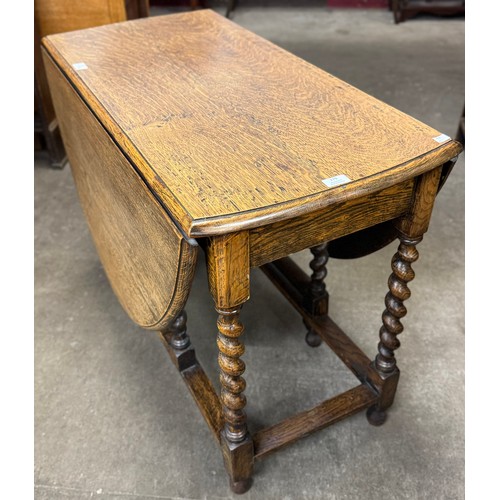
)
(57, 16)
(148, 262)
(232, 132)
(228, 269)
(276, 240)
(416, 222)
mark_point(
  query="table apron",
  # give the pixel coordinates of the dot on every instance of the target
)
(277, 240)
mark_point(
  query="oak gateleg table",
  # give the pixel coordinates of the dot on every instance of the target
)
(187, 131)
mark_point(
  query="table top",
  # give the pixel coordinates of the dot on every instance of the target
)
(232, 132)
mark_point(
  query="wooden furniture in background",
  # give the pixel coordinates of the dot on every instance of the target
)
(214, 138)
(460, 137)
(137, 9)
(406, 9)
(57, 16)
(231, 5)
(47, 132)
(194, 4)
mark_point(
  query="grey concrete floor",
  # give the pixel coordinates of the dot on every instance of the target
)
(114, 419)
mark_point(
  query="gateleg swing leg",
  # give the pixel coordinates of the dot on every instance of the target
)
(411, 229)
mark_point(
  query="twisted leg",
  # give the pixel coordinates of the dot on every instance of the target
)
(316, 299)
(231, 369)
(318, 266)
(180, 339)
(228, 264)
(385, 362)
(402, 273)
(411, 227)
(180, 349)
(237, 446)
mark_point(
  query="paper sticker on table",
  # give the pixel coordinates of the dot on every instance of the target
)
(79, 66)
(442, 138)
(336, 181)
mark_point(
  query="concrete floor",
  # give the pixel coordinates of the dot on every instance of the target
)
(114, 419)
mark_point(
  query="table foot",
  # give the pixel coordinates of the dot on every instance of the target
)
(376, 416)
(312, 338)
(238, 460)
(240, 487)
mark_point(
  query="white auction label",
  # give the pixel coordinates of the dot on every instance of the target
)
(442, 138)
(79, 66)
(336, 181)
